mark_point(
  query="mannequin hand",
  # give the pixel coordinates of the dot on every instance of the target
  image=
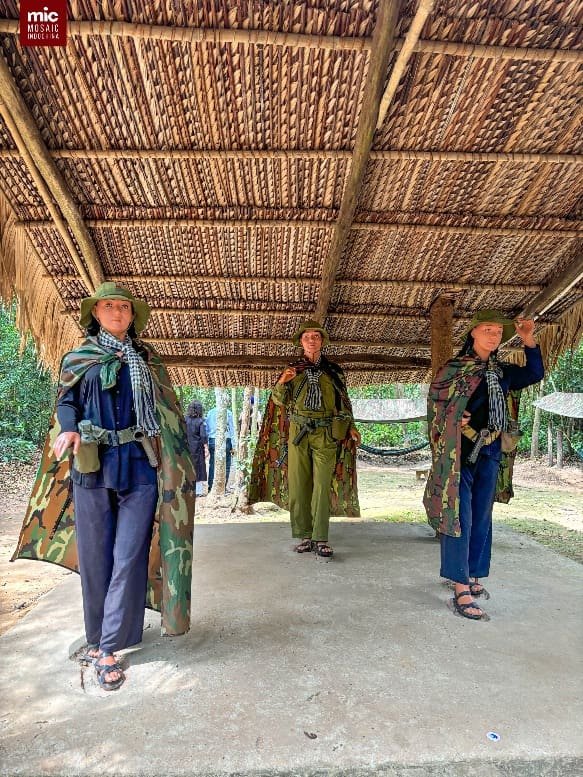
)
(66, 440)
(466, 418)
(355, 435)
(288, 374)
(525, 329)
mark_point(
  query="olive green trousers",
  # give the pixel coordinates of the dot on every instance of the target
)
(310, 466)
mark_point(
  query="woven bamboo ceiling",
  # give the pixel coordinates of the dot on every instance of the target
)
(246, 165)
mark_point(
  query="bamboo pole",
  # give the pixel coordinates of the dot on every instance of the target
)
(150, 154)
(45, 194)
(562, 283)
(566, 228)
(286, 341)
(382, 47)
(221, 36)
(31, 145)
(406, 52)
(253, 360)
(367, 283)
(197, 35)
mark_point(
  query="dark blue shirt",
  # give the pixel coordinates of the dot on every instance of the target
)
(122, 466)
(513, 378)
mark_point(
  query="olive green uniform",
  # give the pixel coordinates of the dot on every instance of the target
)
(311, 463)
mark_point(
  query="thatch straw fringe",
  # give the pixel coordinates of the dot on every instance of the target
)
(39, 303)
(34, 151)
(383, 156)
(423, 10)
(383, 45)
(220, 36)
(369, 226)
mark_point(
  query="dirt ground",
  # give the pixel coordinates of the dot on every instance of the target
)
(545, 494)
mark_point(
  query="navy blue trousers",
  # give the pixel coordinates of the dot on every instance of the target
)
(469, 555)
(114, 530)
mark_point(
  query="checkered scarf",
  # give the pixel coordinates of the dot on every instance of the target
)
(314, 393)
(141, 379)
(497, 415)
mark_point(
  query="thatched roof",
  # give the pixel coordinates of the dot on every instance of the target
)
(244, 166)
(568, 404)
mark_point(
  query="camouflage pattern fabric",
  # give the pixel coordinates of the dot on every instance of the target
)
(448, 396)
(48, 531)
(268, 481)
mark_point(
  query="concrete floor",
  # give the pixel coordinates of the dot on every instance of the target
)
(298, 666)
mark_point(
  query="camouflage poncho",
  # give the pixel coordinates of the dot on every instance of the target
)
(268, 481)
(448, 396)
(48, 532)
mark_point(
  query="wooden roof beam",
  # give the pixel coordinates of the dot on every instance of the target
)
(556, 290)
(373, 283)
(567, 227)
(119, 29)
(48, 179)
(383, 46)
(251, 361)
(405, 155)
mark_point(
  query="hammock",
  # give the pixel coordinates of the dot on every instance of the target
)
(393, 451)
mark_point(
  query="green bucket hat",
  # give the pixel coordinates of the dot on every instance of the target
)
(311, 325)
(110, 290)
(491, 316)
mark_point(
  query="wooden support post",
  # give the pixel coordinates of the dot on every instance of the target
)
(441, 312)
(559, 448)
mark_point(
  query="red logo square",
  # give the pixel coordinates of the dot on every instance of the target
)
(43, 22)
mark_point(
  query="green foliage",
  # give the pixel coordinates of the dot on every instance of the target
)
(27, 393)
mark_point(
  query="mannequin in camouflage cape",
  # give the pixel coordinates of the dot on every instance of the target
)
(268, 481)
(309, 419)
(48, 532)
(448, 396)
(473, 405)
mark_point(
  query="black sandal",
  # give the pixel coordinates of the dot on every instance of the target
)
(462, 609)
(305, 546)
(324, 550)
(477, 589)
(105, 669)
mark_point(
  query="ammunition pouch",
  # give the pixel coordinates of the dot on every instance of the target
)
(339, 427)
(87, 459)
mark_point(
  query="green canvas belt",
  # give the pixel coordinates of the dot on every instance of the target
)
(302, 420)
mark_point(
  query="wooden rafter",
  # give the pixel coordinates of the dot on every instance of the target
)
(383, 45)
(556, 290)
(48, 178)
(251, 360)
(565, 228)
(405, 155)
(372, 283)
(406, 51)
(221, 36)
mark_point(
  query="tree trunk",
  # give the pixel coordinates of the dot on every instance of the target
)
(235, 413)
(559, 448)
(534, 444)
(550, 443)
(255, 417)
(243, 451)
(222, 403)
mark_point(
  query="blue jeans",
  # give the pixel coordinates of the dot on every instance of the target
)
(469, 555)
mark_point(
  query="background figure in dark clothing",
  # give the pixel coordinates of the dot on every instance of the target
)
(197, 442)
